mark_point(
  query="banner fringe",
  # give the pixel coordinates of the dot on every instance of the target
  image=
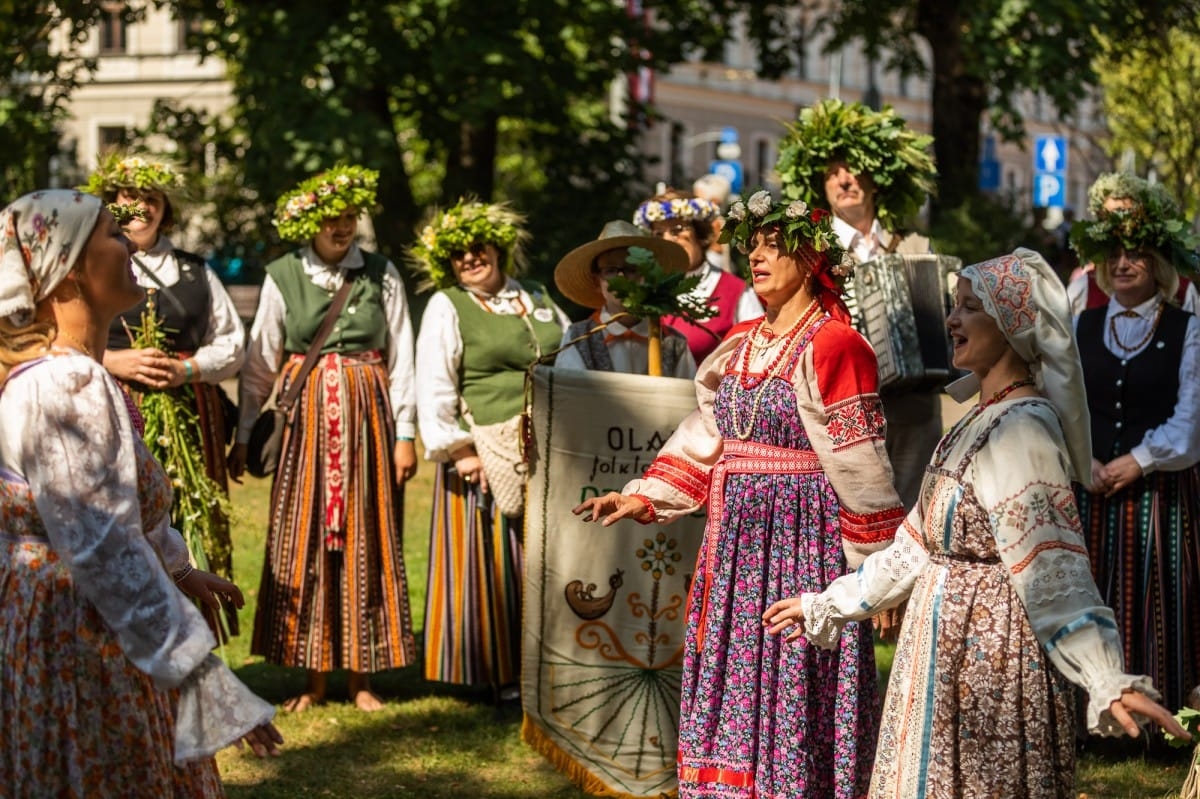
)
(533, 735)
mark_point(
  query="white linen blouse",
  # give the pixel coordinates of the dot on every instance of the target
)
(68, 433)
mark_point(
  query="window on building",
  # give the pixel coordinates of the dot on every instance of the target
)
(112, 27)
(111, 137)
(188, 33)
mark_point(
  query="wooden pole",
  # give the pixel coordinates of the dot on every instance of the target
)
(654, 356)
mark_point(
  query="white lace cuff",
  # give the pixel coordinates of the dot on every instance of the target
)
(1100, 720)
(215, 710)
(822, 625)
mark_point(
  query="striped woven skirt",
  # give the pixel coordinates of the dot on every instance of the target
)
(473, 605)
(1144, 545)
(333, 593)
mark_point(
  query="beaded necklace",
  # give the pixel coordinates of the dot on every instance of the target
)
(802, 323)
(1112, 328)
(758, 385)
(952, 437)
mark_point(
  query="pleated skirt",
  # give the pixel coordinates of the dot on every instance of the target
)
(334, 593)
(1144, 544)
(473, 604)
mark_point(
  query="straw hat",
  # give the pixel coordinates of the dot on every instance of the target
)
(574, 276)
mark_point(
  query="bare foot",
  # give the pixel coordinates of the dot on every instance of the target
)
(367, 701)
(298, 704)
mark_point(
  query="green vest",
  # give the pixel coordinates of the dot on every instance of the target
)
(362, 325)
(497, 349)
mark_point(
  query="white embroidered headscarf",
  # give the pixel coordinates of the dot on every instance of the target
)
(1029, 303)
(42, 235)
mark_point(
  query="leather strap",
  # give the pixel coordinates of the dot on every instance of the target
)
(314, 349)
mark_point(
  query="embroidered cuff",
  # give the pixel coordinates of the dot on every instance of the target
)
(645, 500)
(682, 475)
(871, 528)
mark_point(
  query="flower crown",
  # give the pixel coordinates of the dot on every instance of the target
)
(875, 143)
(697, 208)
(1151, 224)
(300, 212)
(797, 225)
(458, 228)
(117, 171)
(1118, 185)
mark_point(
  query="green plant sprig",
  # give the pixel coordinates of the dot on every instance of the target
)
(172, 434)
(124, 214)
(1189, 719)
(659, 292)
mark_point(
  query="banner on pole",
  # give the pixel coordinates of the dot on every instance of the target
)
(604, 606)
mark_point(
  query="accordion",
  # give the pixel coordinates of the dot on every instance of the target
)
(903, 301)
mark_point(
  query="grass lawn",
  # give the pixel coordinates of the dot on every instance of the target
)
(437, 741)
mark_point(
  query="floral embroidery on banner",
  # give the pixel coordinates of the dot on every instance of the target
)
(855, 420)
(334, 433)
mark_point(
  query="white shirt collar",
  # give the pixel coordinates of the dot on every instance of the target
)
(863, 247)
(1146, 309)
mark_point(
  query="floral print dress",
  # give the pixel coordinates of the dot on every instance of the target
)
(106, 665)
(1002, 612)
(762, 717)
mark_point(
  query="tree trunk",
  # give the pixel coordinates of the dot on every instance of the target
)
(396, 223)
(654, 344)
(959, 102)
(471, 165)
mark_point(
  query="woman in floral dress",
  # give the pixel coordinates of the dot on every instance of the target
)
(1002, 609)
(107, 684)
(786, 449)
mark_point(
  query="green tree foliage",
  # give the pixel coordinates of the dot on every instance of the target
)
(982, 56)
(445, 98)
(1150, 101)
(36, 81)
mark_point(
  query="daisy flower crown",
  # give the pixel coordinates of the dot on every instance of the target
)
(797, 225)
(300, 212)
(696, 208)
(455, 230)
(1146, 226)
(117, 171)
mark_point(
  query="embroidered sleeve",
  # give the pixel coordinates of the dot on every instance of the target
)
(76, 450)
(884, 580)
(1020, 475)
(676, 483)
(836, 394)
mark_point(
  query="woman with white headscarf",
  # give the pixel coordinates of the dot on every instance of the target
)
(1002, 609)
(107, 684)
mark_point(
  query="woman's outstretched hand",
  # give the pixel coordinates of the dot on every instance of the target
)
(612, 507)
(786, 614)
(263, 740)
(1137, 702)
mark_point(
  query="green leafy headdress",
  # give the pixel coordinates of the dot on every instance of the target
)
(875, 143)
(1153, 223)
(119, 170)
(460, 227)
(300, 212)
